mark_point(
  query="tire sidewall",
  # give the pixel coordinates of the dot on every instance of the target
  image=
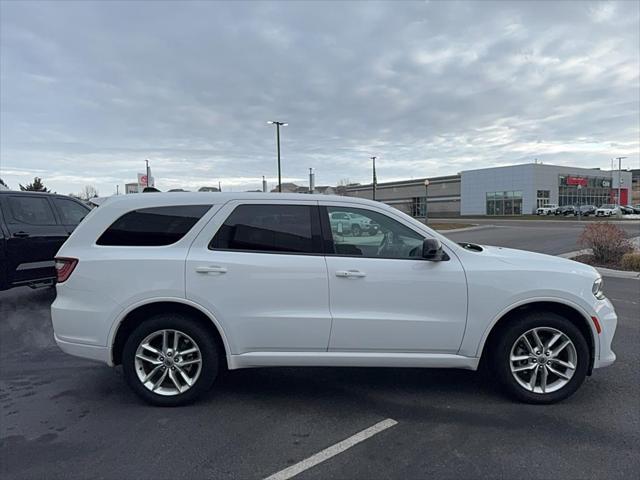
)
(200, 335)
(501, 357)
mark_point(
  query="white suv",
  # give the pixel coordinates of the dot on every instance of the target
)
(177, 286)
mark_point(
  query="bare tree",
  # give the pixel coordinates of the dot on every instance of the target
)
(89, 191)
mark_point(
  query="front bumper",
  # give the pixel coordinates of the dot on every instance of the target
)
(608, 321)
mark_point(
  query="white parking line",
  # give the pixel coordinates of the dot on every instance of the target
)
(331, 451)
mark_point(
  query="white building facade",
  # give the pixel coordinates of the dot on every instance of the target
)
(521, 189)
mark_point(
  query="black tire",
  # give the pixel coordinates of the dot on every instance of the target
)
(197, 333)
(356, 230)
(501, 363)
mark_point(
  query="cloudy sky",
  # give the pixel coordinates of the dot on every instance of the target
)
(89, 90)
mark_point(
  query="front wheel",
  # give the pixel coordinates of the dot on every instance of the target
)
(541, 358)
(170, 360)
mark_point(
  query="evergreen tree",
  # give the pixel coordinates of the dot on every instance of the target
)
(35, 186)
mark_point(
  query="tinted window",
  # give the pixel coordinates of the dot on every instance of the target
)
(32, 210)
(365, 233)
(270, 228)
(153, 226)
(72, 212)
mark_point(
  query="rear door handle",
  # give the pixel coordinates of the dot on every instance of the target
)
(211, 269)
(21, 234)
(350, 274)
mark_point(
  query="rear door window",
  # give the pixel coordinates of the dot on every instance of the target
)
(152, 227)
(31, 210)
(271, 229)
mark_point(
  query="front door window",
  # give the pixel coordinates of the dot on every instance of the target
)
(365, 233)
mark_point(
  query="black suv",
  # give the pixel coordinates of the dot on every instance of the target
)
(33, 226)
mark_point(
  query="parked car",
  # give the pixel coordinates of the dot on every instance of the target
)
(33, 226)
(586, 210)
(627, 209)
(352, 224)
(636, 208)
(177, 287)
(567, 210)
(607, 210)
(548, 209)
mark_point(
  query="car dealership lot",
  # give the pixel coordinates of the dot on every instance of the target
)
(66, 417)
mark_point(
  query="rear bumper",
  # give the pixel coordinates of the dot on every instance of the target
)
(90, 352)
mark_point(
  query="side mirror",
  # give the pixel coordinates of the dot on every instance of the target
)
(432, 250)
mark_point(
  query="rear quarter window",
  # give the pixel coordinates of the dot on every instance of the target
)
(153, 227)
(71, 211)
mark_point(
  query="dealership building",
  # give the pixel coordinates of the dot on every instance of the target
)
(499, 191)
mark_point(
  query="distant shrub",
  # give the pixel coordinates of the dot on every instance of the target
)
(607, 241)
(631, 261)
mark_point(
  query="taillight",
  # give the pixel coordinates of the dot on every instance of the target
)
(64, 267)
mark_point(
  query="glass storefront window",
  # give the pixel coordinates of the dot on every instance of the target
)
(596, 192)
(504, 203)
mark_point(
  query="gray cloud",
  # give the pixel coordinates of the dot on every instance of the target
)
(89, 90)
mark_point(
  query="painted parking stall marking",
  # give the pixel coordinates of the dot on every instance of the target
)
(332, 451)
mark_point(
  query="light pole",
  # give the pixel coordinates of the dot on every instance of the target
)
(426, 194)
(579, 202)
(278, 125)
(619, 180)
(375, 180)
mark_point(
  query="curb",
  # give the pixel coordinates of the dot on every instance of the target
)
(606, 272)
(465, 229)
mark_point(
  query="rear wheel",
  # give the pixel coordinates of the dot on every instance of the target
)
(170, 360)
(541, 358)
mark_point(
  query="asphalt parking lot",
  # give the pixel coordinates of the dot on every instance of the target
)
(546, 236)
(64, 417)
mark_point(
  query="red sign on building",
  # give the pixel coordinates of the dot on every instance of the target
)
(577, 181)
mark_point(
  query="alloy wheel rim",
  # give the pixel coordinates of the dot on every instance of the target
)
(168, 362)
(543, 360)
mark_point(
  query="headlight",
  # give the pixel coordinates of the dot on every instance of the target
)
(597, 289)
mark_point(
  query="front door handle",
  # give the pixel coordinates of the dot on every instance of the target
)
(350, 274)
(211, 269)
(21, 234)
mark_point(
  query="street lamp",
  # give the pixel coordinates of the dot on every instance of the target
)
(426, 191)
(579, 202)
(619, 181)
(278, 125)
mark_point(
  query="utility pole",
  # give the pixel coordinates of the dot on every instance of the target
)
(278, 125)
(147, 172)
(312, 180)
(117, 189)
(375, 180)
(219, 186)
